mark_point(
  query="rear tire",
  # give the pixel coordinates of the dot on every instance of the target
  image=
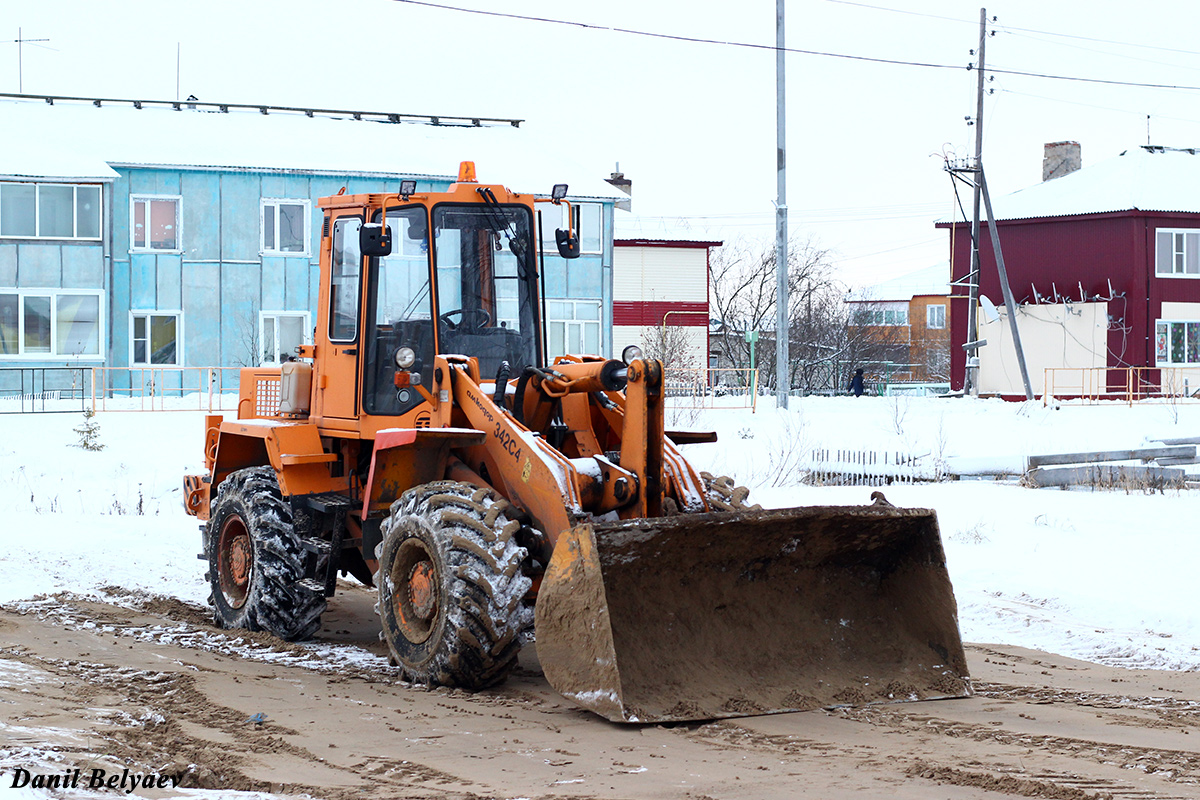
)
(451, 591)
(255, 560)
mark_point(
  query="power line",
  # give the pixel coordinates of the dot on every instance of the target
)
(676, 37)
(1041, 38)
(1141, 113)
(1011, 29)
(772, 48)
(902, 11)
(1078, 79)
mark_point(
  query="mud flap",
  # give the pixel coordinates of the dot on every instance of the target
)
(735, 614)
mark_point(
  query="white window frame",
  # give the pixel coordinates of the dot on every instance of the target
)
(134, 199)
(575, 321)
(37, 211)
(155, 312)
(577, 224)
(876, 314)
(262, 326)
(54, 355)
(274, 203)
(1179, 239)
(929, 316)
(1167, 362)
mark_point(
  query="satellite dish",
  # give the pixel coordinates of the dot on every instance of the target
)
(989, 309)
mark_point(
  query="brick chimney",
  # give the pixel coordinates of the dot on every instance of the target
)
(1060, 158)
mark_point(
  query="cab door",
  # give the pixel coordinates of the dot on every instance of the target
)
(339, 345)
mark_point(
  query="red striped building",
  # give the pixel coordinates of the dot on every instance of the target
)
(660, 290)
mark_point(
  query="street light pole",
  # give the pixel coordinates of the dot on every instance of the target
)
(781, 262)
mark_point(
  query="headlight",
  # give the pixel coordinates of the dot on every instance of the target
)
(630, 353)
(405, 357)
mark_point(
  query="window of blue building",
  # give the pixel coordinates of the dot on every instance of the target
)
(46, 322)
(285, 227)
(281, 333)
(154, 222)
(49, 211)
(154, 338)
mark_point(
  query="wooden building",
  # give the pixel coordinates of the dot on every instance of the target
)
(1104, 265)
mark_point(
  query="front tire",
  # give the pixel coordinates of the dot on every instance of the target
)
(255, 560)
(451, 590)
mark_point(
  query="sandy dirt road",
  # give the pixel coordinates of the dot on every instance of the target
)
(149, 685)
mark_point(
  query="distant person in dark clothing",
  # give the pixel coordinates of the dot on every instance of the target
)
(856, 383)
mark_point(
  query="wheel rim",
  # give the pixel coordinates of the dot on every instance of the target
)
(235, 561)
(416, 584)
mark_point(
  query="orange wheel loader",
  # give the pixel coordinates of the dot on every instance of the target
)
(423, 445)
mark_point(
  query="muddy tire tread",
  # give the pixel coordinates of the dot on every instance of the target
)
(483, 586)
(276, 603)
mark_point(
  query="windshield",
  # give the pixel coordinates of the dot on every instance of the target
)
(485, 284)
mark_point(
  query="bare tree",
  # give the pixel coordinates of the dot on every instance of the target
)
(248, 353)
(743, 295)
(672, 345)
(828, 338)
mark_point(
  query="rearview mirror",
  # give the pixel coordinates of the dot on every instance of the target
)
(568, 245)
(374, 240)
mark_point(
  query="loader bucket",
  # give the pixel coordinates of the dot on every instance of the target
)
(736, 614)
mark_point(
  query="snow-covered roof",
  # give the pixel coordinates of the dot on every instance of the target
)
(930, 280)
(82, 141)
(1146, 178)
(32, 156)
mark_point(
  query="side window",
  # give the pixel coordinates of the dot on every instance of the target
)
(587, 226)
(935, 316)
(285, 227)
(1177, 342)
(155, 339)
(281, 333)
(37, 322)
(344, 280)
(50, 210)
(572, 326)
(154, 223)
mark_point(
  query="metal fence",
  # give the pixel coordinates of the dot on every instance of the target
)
(869, 468)
(43, 390)
(712, 388)
(164, 388)
(1125, 384)
(64, 389)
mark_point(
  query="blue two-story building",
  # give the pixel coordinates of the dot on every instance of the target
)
(188, 236)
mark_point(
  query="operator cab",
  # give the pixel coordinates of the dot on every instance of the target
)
(483, 301)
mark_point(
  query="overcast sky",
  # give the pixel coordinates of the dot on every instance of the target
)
(692, 124)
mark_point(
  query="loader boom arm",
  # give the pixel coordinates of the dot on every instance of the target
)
(612, 454)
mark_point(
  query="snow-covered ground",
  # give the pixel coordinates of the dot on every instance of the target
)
(1105, 575)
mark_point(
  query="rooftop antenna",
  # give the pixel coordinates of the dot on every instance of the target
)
(20, 42)
(177, 49)
(1147, 129)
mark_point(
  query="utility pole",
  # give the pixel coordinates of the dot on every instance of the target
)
(782, 385)
(1009, 304)
(972, 372)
